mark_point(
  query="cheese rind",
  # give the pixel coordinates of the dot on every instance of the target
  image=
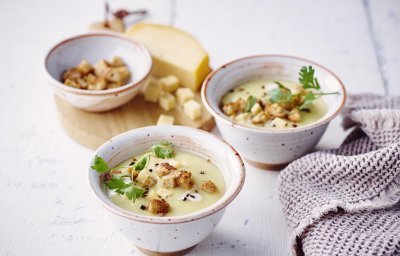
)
(184, 94)
(174, 52)
(167, 101)
(169, 83)
(192, 109)
(165, 120)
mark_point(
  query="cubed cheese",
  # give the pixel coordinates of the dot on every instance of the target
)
(169, 83)
(184, 94)
(174, 52)
(165, 120)
(152, 91)
(256, 109)
(192, 109)
(167, 101)
(278, 123)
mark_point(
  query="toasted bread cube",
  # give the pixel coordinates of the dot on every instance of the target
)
(118, 75)
(185, 180)
(152, 91)
(294, 115)
(157, 206)
(256, 109)
(113, 85)
(100, 84)
(169, 83)
(169, 181)
(242, 117)
(278, 123)
(72, 74)
(84, 67)
(209, 187)
(148, 182)
(192, 109)
(260, 118)
(71, 83)
(82, 83)
(184, 94)
(167, 101)
(90, 79)
(164, 169)
(101, 68)
(117, 62)
(165, 120)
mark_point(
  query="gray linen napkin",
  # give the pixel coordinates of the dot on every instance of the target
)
(346, 201)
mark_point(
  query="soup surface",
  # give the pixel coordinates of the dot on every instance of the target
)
(180, 184)
(271, 104)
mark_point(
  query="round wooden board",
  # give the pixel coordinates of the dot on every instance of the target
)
(93, 129)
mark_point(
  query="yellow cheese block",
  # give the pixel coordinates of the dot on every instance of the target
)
(174, 52)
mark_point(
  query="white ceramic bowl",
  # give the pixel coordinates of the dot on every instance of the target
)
(269, 148)
(170, 234)
(94, 47)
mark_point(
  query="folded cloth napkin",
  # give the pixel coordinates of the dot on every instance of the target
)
(346, 201)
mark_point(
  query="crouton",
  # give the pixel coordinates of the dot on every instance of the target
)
(276, 110)
(157, 206)
(294, 115)
(169, 181)
(148, 182)
(209, 187)
(185, 180)
(164, 169)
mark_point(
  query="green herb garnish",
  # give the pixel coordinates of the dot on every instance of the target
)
(307, 78)
(251, 100)
(123, 188)
(142, 163)
(100, 165)
(163, 150)
(281, 94)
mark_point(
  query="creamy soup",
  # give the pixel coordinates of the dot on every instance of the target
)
(271, 104)
(182, 183)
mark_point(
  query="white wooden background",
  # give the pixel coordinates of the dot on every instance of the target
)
(45, 204)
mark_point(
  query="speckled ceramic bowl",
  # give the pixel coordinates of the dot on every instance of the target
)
(169, 235)
(94, 47)
(269, 148)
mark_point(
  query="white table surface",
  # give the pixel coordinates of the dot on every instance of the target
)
(46, 207)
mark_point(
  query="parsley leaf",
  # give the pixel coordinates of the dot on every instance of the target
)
(99, 164)
(142, 163)
(281, 94)
(163, 150)
(307, 78)
(117, 183)
(123, 188)
(251, 100)
(308, 99)
(134, 193)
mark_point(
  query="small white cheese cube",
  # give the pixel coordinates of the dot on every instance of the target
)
(278, 123)
(256, 109)
(184, 94)
(167, 101)
(192, 109)
(169, 83)
(164, 193)
(165, 120)
(152, 91)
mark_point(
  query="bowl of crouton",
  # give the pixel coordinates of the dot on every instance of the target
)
(97, 71)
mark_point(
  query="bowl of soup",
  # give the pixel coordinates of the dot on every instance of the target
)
(166, 187)
(272, 108)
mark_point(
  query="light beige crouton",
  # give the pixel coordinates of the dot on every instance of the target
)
(209, 187)
(148, 182)
(164, 169)
(169, 181)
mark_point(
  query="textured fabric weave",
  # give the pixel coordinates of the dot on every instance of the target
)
(346, 201)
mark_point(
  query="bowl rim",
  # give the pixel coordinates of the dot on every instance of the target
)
(213, 208)
(121, 89)
(233, 123)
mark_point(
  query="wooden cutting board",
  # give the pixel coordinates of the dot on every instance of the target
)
(93, 129)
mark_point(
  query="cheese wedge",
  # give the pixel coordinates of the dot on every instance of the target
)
(174, 52)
